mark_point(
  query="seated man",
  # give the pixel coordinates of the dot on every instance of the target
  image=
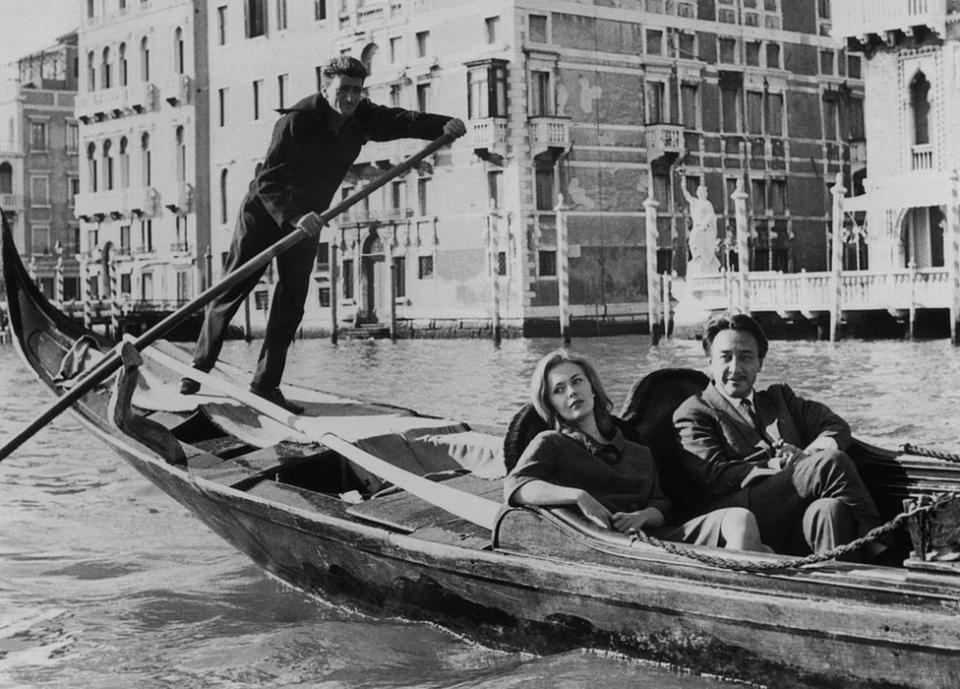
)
(770, 451)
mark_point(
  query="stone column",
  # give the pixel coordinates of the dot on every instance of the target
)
(836, 254)
(650, 206)
(740, 197)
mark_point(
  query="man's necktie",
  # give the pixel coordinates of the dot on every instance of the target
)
(748, 407)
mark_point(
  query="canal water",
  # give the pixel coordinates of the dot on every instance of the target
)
(107, 583)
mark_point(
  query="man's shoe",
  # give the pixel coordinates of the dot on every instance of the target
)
(277, 398)
(188, 386)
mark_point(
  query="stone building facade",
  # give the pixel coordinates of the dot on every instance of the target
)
(912, 85)
(39, 142)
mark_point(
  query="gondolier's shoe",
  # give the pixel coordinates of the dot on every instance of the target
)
(274, 395)
(188, 386)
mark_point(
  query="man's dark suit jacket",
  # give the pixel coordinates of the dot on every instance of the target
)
(715, 438)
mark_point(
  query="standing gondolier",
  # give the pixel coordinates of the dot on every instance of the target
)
(313, 146)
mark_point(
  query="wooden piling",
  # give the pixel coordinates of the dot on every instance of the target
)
(836, 267)
(739, 197)
(953, 227)
(650, 206)
(563, 269)
(334, 297)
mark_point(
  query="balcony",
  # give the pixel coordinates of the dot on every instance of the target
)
(98, 205)
(114, 102)
(873, 21)
(141, 97)
(141, 201)
(389, 153)
(182, 202)
(175, 89)
(488, 138)
(663, 139)
(549, 134)
(11, 203)
(362, 216)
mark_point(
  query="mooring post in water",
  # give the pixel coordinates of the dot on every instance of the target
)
(953, 225)
(493, 250)
(740, 197)
(247, 330)
(334, 297)
(836, 253)
(392, 276)
(650, 206)
(563, 269)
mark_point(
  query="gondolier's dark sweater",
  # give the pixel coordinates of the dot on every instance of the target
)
(308, 159)
(622, 477)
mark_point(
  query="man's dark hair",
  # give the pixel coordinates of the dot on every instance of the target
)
(735, 321)
(342, 65)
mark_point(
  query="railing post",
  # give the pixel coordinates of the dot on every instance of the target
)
(739, 197)
(836, 254)
(650, 206)
(563, 269)
(953, 226)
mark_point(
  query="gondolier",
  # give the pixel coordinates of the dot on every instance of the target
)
(313, 146)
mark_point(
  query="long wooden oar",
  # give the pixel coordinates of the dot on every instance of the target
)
(111, 362)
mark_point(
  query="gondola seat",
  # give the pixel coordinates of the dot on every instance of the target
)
(646, 418)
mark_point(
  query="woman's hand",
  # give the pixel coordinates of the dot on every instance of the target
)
(625, 522)
(593, 510)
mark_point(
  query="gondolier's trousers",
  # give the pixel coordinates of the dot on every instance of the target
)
(256, 230)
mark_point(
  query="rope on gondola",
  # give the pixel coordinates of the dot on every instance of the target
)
(927, 452)
(674, 548)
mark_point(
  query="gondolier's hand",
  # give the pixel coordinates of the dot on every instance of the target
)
(311, 223)
(455, 128)
(593, 510)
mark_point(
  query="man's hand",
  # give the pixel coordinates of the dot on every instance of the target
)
(593, 510)
(785, 456)
(311, 223)
(455, 128)
(625, 522)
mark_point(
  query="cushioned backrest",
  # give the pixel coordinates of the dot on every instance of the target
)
(524, 427)
(648, 419)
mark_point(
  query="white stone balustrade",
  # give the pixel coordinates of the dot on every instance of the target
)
(860, 18)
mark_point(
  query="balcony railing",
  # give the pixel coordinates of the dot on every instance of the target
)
(921, 157)
(488, 136)
(11, 202)
(392, 152)
(662, 139)
(861, 18)
(142, 201)
(181, 201)
(116, 203)
(549, 133)
(381, 215)
(179, 247)
(114, 102)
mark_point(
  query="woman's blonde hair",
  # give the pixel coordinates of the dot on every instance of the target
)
(540, 390)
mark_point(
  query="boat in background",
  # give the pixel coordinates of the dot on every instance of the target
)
(401, 512)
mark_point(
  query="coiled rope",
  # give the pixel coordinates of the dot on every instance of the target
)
(927, 452)
(674, 548)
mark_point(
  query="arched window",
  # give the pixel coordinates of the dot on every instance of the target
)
(105, 69)
(124, 164)
(223, 196)
(919, 103)
(178, 51)
(91, 72)
(181, 156)
(122, 74)
(107, 165)
(145, 171)
(6, 178)
(144, 60)
(367, 57)
(92, 166)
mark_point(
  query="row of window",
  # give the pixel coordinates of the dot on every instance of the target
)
(106, 70)
(38, 136)
(40, 196)
(109, 168)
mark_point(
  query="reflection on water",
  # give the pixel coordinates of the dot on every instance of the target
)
(106, 582)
